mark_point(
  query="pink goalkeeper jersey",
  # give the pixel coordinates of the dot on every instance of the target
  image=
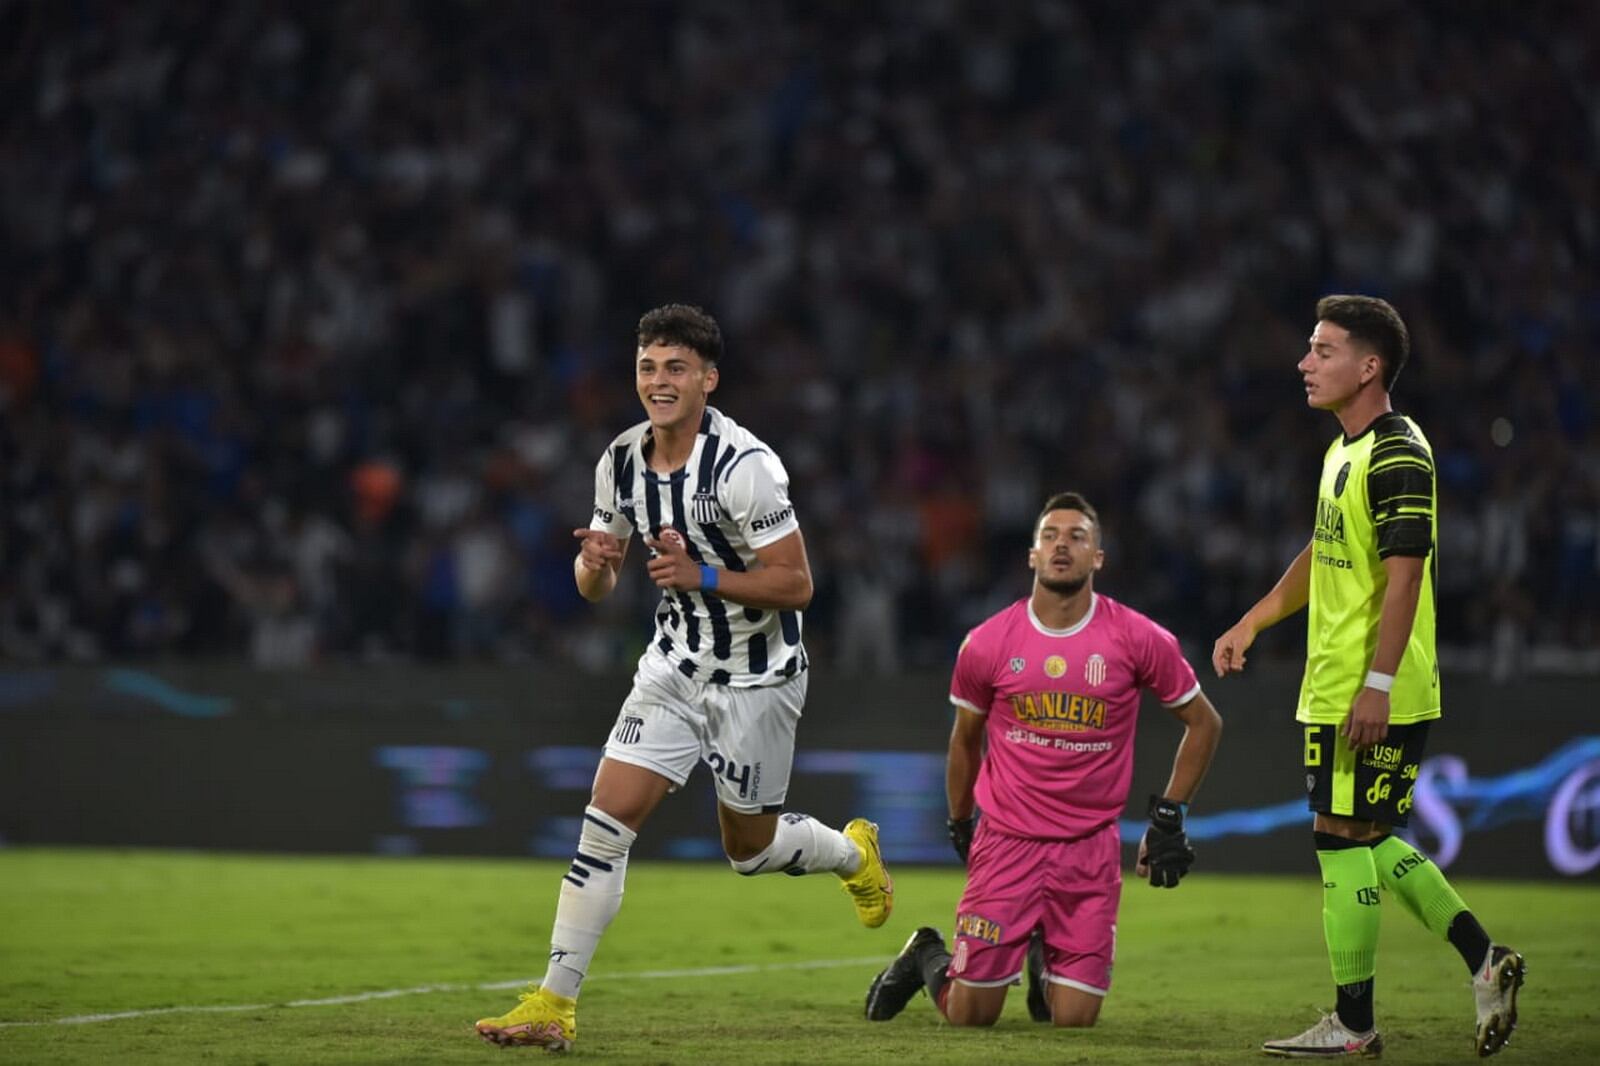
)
(1061, 707)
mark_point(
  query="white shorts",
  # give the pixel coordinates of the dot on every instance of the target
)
(669, 723)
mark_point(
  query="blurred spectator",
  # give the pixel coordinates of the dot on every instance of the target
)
(320, 293)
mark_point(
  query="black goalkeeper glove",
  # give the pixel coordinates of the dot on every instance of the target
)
(961, 835)
(1167, 853)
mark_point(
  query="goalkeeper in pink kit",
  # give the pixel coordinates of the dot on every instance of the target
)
(1047, 701)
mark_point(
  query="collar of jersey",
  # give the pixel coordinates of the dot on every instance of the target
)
(1370, 427)
(1076, 627)
(679, 474)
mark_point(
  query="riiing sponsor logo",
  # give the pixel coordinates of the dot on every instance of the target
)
(1059, 712)
(1330, 523)
(604, 515)
(978, 927)
(776, 518)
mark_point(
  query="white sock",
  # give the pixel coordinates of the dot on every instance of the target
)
(803, 845)
(591, 895)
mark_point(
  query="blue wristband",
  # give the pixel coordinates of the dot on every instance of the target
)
(708, 578)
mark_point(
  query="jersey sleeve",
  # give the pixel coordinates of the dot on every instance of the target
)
(1162, 667)
(755, 491)
(1400, 491)
(972, 681)
(606, 514)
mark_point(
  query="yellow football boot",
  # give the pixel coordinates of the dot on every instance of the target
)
(540, 1019)
(870, 887)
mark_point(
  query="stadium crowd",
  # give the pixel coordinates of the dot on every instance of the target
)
(316, 316)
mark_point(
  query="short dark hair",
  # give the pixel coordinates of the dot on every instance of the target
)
(1374, 323)
(1068, 501)
(682, 326)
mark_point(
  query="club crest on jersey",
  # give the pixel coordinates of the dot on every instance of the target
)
(1017, 664)
(705, 509)
(1055, 666)
(1094, 671)
(1338, 482)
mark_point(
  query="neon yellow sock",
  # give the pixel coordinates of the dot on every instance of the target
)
(1350, 912)
(1418, 883)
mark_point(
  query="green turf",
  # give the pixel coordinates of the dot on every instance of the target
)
(1204, 973)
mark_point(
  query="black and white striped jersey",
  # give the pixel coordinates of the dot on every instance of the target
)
(729, 499)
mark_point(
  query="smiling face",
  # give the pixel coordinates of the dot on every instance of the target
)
(1066, 551)
(673, 383)
(1336, 368)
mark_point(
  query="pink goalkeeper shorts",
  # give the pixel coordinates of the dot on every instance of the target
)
(1070, 889)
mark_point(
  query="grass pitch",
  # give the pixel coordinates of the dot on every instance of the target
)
(282, 960)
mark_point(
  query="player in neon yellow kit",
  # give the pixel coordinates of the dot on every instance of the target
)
(1371, 684)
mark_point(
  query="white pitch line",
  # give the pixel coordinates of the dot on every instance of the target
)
(492, 986)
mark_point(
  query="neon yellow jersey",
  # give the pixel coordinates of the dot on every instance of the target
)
(1377, 498)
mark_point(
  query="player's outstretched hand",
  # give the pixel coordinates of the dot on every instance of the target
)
(670, 567)
(1164, 853)
(961, 835)
(598, 549)
(1227, 655)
